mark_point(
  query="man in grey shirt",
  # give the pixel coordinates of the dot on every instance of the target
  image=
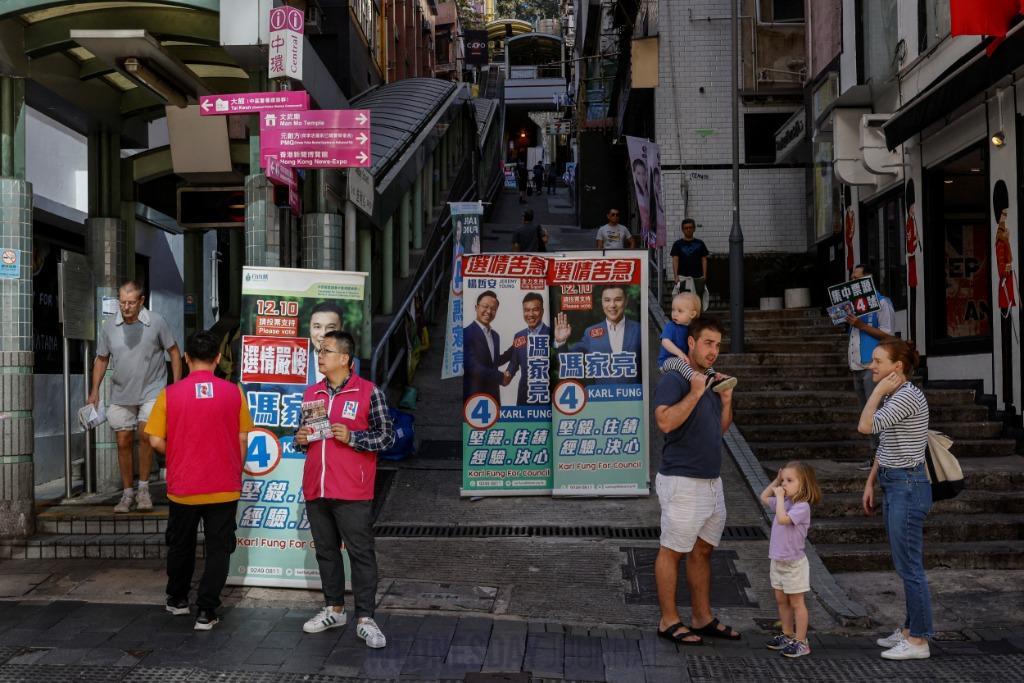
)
(137, 339)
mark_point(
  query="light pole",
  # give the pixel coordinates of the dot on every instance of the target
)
(736, 234)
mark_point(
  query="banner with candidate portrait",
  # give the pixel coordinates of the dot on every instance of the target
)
(645, 167)
(506, 429)
(599, 417)
(466, 218)
(285, 314)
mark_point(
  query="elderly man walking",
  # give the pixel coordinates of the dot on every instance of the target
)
(136, 339)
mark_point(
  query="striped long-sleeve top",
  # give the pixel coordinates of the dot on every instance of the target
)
(902, 427)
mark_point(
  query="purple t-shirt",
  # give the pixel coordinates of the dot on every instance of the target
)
(788, 539)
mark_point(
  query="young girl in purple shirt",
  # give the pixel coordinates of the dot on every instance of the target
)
(791, 495)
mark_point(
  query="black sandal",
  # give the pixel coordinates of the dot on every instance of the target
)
(670, 634)
(711, 630)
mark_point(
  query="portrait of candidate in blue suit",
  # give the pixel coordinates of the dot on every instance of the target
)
(614, 334)
(517, 355)
(481, 348)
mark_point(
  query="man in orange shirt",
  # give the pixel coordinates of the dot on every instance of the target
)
(201, 423)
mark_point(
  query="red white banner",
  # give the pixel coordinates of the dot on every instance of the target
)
(275, 360)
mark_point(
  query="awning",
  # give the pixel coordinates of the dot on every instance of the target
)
(973, 73)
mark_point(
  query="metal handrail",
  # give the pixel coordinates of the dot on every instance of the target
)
(441, 256)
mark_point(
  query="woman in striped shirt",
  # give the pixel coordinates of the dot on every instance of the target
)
(897, 412)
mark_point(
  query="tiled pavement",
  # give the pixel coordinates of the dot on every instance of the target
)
(112, 642)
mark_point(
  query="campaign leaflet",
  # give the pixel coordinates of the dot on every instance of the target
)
(314, 418)
(599, 425)
(285, 314)
(506, 430)
(466, 218)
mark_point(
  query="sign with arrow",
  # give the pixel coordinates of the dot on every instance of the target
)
(317, 139)
(253, 102)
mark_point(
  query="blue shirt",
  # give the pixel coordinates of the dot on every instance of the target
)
(676, 334)
(694, 449)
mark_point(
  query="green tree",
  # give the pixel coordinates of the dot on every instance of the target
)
(528, 10)
(469, 17)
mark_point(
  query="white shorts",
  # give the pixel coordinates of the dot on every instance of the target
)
(791, 576)
(127, 418)
(690, 509)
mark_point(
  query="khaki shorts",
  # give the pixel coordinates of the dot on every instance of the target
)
(791, 576)
(127, 418)
(690, 509)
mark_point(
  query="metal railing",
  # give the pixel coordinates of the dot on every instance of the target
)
(432, 279)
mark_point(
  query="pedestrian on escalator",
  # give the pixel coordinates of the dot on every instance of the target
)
(522, 179)
(897, 411)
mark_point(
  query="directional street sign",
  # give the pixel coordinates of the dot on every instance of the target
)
(252, 102)
(280, 174)
(317, 139)
(320, 118)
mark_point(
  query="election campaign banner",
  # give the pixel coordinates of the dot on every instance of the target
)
(856, 297)
(599, 417)
(506, 429)
(466, 218)
(285, 314)
(645, 163)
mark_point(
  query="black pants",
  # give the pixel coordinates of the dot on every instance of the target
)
(219, 529)
(331, 522)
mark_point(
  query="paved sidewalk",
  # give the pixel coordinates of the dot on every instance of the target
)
(63, 640)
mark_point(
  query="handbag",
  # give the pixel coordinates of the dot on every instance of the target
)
(944, 472)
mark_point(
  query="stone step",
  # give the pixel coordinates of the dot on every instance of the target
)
(858, 451)
(784, 383)
(938, 528)
(842, 414)
(968, 502)
(99, 546)
(787, 340)
(767, 400)
(847, 431)
(811, 370)
(755, 345)
(992, 474)
(953, 555)
(752, 314)
(784, 360)
(64, 520)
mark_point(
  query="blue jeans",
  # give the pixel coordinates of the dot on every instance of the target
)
(907, 499)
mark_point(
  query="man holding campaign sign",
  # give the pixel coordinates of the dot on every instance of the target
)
(871, 318)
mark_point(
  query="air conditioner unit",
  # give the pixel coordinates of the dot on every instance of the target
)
(314, 19)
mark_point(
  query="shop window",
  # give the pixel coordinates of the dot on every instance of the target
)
(759, 136)
(883, 245)
(957, 227)
(781, 11)
(877, 37)
(932, 23)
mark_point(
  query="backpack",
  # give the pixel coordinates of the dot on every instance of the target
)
(405, 436)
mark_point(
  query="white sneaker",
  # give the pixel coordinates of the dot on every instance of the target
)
(891, 640)
(325, 619)
(371, 633)
(126, 503)
(907, 650)
(143, 502)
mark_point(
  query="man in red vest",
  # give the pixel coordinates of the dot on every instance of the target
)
(201, 423)
(338, 485)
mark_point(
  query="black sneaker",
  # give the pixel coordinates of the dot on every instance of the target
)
(206, 620)
(177, 606)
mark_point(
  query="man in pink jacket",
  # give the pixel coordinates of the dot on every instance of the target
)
(338, 485)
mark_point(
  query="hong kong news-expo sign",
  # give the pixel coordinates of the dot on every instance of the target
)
(554, 375)
(285, 313)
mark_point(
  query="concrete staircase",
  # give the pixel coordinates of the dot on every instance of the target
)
(796, 400)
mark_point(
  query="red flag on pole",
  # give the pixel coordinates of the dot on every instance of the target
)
(982, 17)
